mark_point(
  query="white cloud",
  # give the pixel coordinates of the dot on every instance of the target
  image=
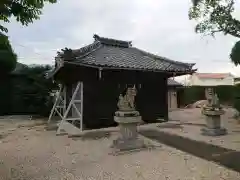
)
(158, 26)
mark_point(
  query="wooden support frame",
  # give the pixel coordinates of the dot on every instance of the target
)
(72, 106)
(59, 106)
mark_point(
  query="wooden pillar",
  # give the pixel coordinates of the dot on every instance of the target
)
(164, 104)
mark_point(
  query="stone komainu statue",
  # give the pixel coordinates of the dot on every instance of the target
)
(212, 98)
(127, 102)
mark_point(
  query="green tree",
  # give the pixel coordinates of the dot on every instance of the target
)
(215, 16)
(24, 11)
(31, 91)
(8, 58)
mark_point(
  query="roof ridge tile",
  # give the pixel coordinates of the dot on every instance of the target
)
(113, 42)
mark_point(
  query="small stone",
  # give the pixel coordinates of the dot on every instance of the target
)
(72, 153)
(13, 129)
(73, 161)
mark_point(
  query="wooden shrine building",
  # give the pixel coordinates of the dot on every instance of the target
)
(103, 70)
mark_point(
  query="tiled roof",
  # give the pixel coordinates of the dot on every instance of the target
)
(112, 53)
(171, 82)
(213, 75)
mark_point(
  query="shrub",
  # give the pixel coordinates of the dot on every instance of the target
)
(192, 94)
(226, 94)
(237, 98)
(27, 92)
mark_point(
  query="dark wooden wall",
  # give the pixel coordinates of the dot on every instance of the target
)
(100, 103)
(152, 101)
(100, 95)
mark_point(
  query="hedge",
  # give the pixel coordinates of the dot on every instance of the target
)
(237, 97)
(26, 93)
(229, 95)
(5, 95)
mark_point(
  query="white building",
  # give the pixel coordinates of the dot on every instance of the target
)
(211, 79)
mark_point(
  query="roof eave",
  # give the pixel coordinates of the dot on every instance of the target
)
(166, 59)
(131, 69)
(52, 73)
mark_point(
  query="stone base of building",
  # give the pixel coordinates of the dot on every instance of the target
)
(213, 132)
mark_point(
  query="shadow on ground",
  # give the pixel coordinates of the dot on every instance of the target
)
(170, 126)
(94, 135)
(178, 125)
(225, 157)
(193, 124)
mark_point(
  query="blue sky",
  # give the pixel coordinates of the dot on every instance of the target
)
(158, 26)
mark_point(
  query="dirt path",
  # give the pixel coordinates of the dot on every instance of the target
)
(33, 153)
(223, 156)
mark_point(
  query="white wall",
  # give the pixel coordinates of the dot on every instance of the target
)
(195, 81)
(172, 99)
(236, 82)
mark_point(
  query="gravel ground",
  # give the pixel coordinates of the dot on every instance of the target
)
(32, 153)
(188, 123)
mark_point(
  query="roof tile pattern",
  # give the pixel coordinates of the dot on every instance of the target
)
(105, 52)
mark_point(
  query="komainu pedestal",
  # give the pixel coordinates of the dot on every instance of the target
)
(213, 112)
(213, 123)
(128, 119)
(128, 135)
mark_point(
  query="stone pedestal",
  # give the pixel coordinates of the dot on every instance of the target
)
(128, 136)
(213, 123)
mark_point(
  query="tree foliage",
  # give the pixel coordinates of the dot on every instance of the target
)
(27, 92)
(8, 58)
(235, 53)
(36, 94)
(217, 16)
(24, 11)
